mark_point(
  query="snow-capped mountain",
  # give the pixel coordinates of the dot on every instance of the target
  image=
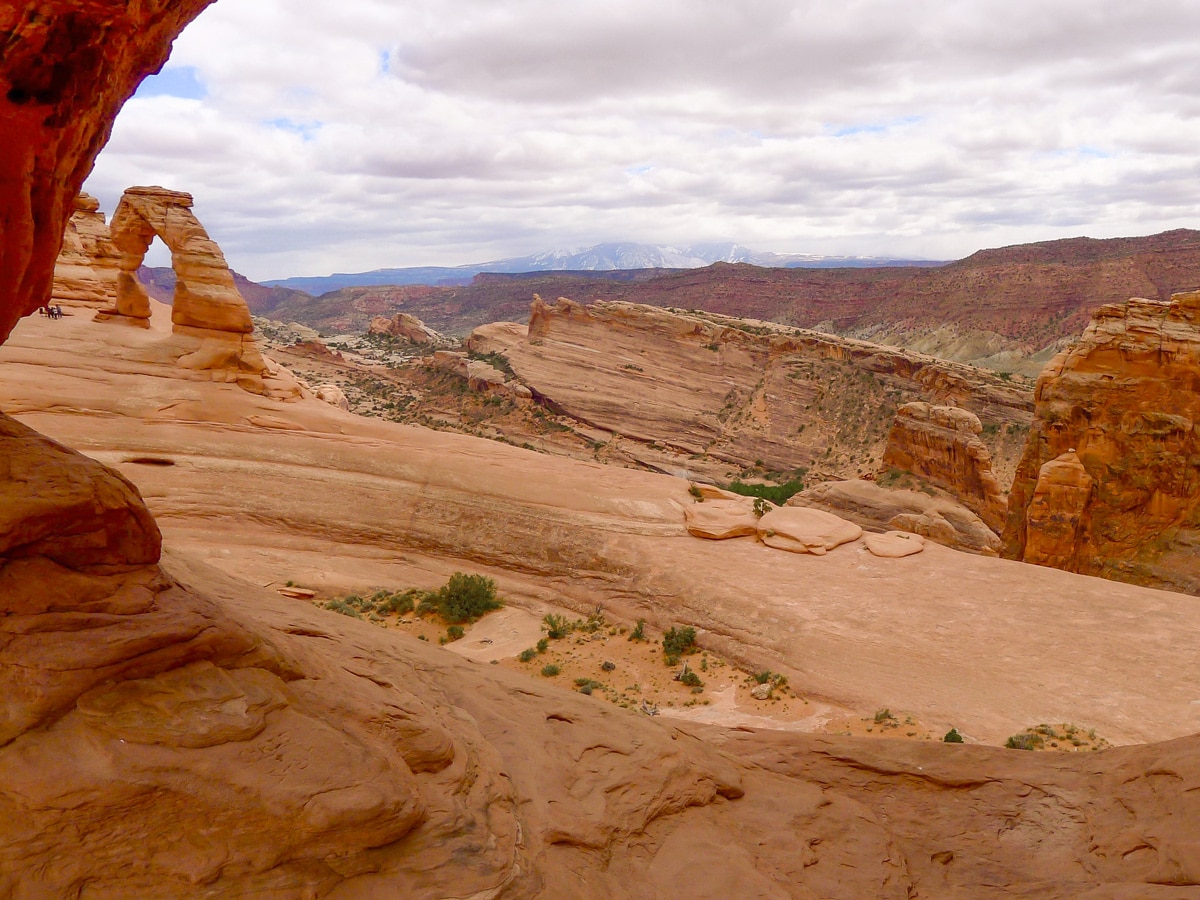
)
(606, 257)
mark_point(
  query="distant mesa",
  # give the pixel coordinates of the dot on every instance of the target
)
(1109, 483)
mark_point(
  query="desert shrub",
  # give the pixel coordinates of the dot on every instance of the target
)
(763, 677)
(464, 598)
(428, 604)
(556, 626)
(453, 633)
(678, 641)
(691, 679)
(639, 631)
(778, 494)
(1024, 741)
(587, 685)
(953, 737)
(551, 670)
(884, 715)
(341, 606)
(543, 645)
(697, 494)
(608, 665)
(527, 655)
(402, 603)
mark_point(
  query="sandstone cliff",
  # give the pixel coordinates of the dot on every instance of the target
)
(941, 444)
(736, 391)
(1110, 480)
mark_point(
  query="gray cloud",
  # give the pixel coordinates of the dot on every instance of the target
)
(368, 133)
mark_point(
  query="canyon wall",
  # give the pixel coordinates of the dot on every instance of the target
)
(1110, 480)
(87, 268)
(740, 391)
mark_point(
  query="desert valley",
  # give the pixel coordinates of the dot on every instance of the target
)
(731, 582)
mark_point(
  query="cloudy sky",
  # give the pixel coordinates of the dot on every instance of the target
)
(358, 134)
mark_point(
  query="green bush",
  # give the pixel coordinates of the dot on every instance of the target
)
(691, 679)
(953, 737)
(343, 607)
(639, 631)
(526, 655)
(464, 598)
(402, 603)
(556, 626)
(1024, 741)
(454, 633)
(551, 670)
(679, 641)
(778, 494)
(543, 645)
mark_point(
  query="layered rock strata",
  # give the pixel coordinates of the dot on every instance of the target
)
(941, 444)
(734, 390)
(1110, 480)
(87, 268)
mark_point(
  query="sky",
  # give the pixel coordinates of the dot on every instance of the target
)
(345, 136)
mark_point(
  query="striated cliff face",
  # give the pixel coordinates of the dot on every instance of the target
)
(734, 390)
(1110, 480)
(941, 444)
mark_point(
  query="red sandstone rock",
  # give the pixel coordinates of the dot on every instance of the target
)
(85, 273)
(941, 444)
(1110, 480)
(404, 326)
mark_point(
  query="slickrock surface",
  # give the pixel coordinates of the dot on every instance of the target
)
(1110, 481)
(86, 271)
(736, 390)
(941, 444)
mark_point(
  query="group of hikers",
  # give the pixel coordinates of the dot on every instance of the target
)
(54, 312)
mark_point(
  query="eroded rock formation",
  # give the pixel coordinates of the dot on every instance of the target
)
(736, 391)
(406, 327)
(941, 444)
(1110, 481)
(86, 271)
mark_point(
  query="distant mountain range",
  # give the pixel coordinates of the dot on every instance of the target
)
(610, 257)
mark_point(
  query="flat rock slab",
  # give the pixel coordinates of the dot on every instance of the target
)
(801, 530)
(894, 544)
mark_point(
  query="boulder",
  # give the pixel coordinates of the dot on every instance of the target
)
(802, 530)
(878, 508)
(333, 395)
(721, 518)
(894, 544)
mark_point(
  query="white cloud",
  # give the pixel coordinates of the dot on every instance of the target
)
(319, 137)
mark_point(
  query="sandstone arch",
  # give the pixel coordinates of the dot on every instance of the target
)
(205, 295)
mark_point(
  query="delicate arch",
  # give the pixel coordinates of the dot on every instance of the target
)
(205, 295)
